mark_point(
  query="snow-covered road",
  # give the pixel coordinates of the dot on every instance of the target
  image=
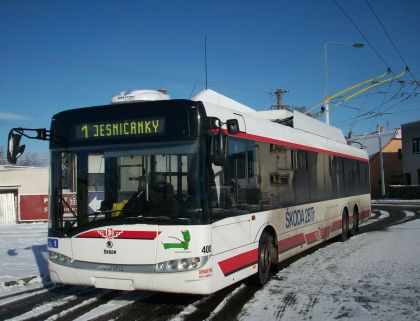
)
(23, 253)
(373, 276)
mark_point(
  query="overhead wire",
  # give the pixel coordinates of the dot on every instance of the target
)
(385, 102)
(368, 88)
(362, 34)
(368, 114)
(372, 113)
(389, 37)
(404, 99)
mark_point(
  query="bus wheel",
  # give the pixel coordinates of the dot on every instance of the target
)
(344, 226)
(355, 227)
(265, 253)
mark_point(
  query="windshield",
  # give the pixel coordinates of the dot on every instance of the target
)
(151, 183)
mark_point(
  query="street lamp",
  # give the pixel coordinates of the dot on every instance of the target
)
(327, 103)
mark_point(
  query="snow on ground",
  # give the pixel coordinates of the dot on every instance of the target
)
(395, 201)
(373, 276)
(23, 253)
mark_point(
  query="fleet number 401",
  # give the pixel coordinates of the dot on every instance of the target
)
(206, 249)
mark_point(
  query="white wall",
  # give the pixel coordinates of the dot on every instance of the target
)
(27, 180)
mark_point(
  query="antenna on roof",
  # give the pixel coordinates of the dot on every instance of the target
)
(205, 57)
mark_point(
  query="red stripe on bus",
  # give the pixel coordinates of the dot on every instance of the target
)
(325, 231)
(118, 234)
(291, 242)
(239, 262)
(336, 225)
(298, 146)
(249, 258)
(365, 213)
(144, 235)
(311, 237)
(90, 234)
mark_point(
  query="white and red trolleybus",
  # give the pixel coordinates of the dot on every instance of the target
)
(193, 195)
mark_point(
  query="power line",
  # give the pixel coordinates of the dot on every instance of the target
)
(406, 110)
(96, 68)
(384, 101)
(362, 34)
(371, 114)
(404, 99)
(373, 110)
(389, 37)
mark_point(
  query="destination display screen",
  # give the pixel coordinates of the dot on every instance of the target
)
(120, 129)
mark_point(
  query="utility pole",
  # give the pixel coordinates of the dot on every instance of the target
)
(380, 130)
(279, 96)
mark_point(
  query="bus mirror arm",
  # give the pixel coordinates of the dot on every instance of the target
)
(14, 149)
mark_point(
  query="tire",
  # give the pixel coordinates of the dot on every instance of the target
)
(266, 251)
(344, 226)
(355, 228)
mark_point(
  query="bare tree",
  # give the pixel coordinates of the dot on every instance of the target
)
(29, 159)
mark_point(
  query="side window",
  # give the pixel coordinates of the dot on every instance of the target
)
(316, 176)
(96, 166)
(301, 178)
(68, 172)
(234, 188)
(277, 176)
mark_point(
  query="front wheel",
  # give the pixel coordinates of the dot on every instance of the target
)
(266, 251)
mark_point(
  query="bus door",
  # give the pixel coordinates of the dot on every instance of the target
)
(234, 194)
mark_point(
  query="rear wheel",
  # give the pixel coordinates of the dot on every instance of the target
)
(344, 226)
(355, 227)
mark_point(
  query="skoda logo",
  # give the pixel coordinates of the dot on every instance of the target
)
(109, 244)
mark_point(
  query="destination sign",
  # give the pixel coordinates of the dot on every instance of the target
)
(120, 129)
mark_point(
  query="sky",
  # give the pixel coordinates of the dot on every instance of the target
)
(58, 55)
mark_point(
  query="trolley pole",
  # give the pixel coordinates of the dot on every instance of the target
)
(380, 130)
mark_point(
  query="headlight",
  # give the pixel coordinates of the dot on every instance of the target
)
(180, 265)
(59, 258)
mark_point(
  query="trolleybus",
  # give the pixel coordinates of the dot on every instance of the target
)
(190, 196)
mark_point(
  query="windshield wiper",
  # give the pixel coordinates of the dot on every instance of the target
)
(167, 218)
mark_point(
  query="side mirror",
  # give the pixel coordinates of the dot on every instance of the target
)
(14, 150)
(232, 126)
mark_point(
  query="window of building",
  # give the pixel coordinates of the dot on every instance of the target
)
(399, 153)
(416, 145)
(397, 178)
(407, 179)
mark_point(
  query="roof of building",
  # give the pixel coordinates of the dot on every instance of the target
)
(370, 141)
(413, 123)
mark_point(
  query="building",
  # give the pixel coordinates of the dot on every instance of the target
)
(392, 157)
(411, 152)
(23, 194)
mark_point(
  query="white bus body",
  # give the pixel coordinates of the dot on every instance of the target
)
(205, 258)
